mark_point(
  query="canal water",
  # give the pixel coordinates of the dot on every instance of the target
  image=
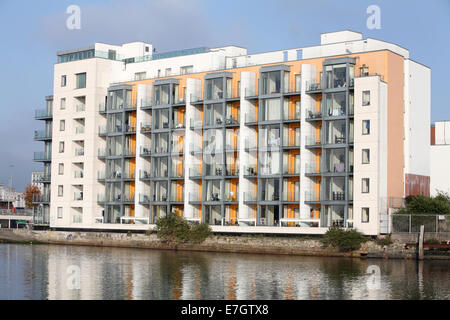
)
(72, 272)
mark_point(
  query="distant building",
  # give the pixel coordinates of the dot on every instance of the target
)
(440, 157)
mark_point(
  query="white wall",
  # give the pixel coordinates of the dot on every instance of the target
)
(440, 172)
(417, 118)
(442, 132)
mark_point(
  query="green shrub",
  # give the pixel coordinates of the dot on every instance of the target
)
(175, 229)
(432, 241)
(426, 205)
(344, 240)
(385, 241)
(149, 232)
(199, 232)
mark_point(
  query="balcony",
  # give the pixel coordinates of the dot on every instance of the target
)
(196, 124)
(250, 171)
(102, 130)
(146, 128)
(102, 108)
(129, 152)
(144, 175)
(251, 119)
(78, 196)
(196, 99)
(250, 144)
(130, 129)
(144, 199)
(194, 197)
(45, 178)
(313, 115)
(232, 171)
(101, 198)
(312, 87)
(177, 197)
(146, 151)
(42, 135)
(101, 175)
(79, 152)
(41, 198)
(146, 104)
(79, 130)
(78, 174)
(42, 156)
(250, 93)
(312, 196)
(195, 148)
(313, 141)
(195, 172)
(102, 153)
(43, 114)
(249, 197)
(81, 107)
(311, 169)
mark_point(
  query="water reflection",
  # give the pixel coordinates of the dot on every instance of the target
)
(41, 272)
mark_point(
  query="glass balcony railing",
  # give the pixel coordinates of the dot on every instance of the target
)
(195, 147)
(81, 107)
(42, 134)
(313, 140)
(144, 198)
(146, 151)
(177, 197)
(250, 92)
(101, 175)
(249, 197)
(250, 117)
(102, 130)
(78, 196)
(231, 197)
(195, 171)
(250, 170)
(195, 98)
(43, 113)
(79, 152)
(232, 170)
(102, 107)
(39, 198)
(78, 174)
(42, 156)
(144, 174)
(195, 197)
(311, 168)
(312, 113)
(101, 197)
(102, 152)
(196, 123)
(146, 127)
(312, 86)
(79, 130)
(129, 152)
(312, 196)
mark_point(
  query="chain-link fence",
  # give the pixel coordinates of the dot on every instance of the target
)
(410, 223)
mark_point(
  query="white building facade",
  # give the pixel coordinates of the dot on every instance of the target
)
(292, 141)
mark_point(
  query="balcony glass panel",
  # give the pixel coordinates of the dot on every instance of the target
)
(270, 109)
(334, 216)
(271, 82)
(160, 142)
(334, 188)
(213, 215)
(335, 132)
(162, 94)
(159, 191)
(334, 160)
(161, 119)
(159, 167)
(336, 76)
(214, 114)
(214, 89)
(269, 163)
(336, 104)
(213, 190)
(270, 189)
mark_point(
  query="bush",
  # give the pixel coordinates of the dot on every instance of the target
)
(344, 240)
(175, 229)
(385, 241)
(426, 205)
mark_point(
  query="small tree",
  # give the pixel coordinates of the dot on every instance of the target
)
(30, 191)
(426, 205)
(344, 240)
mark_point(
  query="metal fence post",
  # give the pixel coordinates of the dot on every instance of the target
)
(437, 221)
(409, 223)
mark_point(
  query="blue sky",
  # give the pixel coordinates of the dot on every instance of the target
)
(32, 31)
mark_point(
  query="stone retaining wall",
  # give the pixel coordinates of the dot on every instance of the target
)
(217, 243)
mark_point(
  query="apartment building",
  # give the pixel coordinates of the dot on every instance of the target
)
(292, 141)
(439, 157)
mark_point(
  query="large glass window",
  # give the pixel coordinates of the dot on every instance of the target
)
(81, 80)
(335, 132)
(334, 216)
(334, 160)
(159, 167)
(270, 189)
(270, 109)
(213, 215)
(214, 89)
(334, 188)
(161, 119)
(271, 82)
(159, 191)
(160, 142)
(214, 114)
(336, 104)
(162, 93)
(365, 156)
(213, 190)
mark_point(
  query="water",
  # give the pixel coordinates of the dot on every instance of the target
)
(50, 272)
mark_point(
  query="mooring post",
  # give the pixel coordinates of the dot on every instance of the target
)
(421, 236)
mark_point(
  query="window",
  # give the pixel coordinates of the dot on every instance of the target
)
(60, 191)
(147, 49)
(81, 80)
(186, 69)
(63, 104)
(62, 125)
(63, 81)
(366, 127)
(60, 212)
(365, 185)
(61, 168)
(168, 71)
(365, 156)
(159, 73)
(364, 215)
(140, 75)
(61, 147)
(366, 98)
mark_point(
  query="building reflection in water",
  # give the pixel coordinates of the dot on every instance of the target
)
(43, 272)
